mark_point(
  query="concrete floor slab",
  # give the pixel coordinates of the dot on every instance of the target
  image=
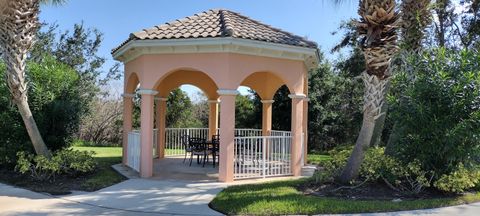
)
(131, 197)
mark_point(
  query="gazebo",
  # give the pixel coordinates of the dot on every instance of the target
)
(218, 51)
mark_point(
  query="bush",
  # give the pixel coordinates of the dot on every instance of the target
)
(459, 180)
(56, 103)
(378, 167)
(438, 113)
(63, 162)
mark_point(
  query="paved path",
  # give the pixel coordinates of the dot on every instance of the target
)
(149, 197)
(131, 197)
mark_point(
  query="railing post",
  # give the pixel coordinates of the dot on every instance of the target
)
(264, 144)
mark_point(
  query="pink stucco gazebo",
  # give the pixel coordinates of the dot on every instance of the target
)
(217, 51)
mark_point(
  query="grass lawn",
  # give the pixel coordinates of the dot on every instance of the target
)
(280, 198)
(105, 175)
(317, 158)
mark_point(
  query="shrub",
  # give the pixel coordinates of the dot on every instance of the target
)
(438, 113)
(406, 178)
(56, 103)
(63, 162)
(459, 180)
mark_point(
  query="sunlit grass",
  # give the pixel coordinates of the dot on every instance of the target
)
(105, 175)
(282, 198)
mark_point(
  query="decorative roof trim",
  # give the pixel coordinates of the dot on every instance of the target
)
(267, 101)
(297, 96)
(147, 92)
(126, 95)
(135, 48)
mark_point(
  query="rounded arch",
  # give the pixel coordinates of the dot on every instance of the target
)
(264, 83)
(184, 76)
(132, 82)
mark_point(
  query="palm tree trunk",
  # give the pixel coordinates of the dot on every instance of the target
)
(374, 101)
(32, 129)
(18, 28)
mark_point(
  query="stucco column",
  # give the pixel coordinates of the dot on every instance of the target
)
(267, 117)
(305, 130)
(213, 118)
(160, 118)
(297, 129)
(127, 124)
(227, 134)
(146, 132)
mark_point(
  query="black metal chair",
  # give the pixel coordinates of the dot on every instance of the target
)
(186, 146)
(214, 148)
(199, 148)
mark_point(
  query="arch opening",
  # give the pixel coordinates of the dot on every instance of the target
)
(180, 77)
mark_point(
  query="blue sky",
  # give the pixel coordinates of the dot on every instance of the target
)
(116, 19)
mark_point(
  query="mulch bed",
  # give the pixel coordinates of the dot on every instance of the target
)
(61, 185)
(370, 191)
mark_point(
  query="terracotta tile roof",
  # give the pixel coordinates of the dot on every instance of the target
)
(219, 23)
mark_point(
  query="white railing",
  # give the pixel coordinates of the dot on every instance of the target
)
(280, 133)
(133, 154)
(173, 139)
(155, 141)
(247, 132)
(255, 156)
(262, 156)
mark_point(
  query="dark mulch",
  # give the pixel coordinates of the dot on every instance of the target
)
(61, 185)
(369, 191)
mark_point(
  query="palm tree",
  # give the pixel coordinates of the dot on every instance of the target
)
(18, 27)
(416, 16)
(377, 28)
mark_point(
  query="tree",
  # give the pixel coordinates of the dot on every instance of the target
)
(377, 29)
(18, 27)
(180, 110)
(55, 101)
(416, 16)
(246, 112)
(439, 114)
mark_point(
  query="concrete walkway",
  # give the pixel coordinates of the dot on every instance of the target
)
(149, 197)
(131, 197)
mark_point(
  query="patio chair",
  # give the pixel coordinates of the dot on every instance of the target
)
(215, 149)
(185, 143)
(199, 148)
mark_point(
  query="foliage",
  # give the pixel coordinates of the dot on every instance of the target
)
(180, 110)
(438, 113)
(53, 95)
(456, 24)
(246, 112)
(406, 178)
(104, 175)
(334, 114)
(459, 180)
(63, 162)
(104, 126)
